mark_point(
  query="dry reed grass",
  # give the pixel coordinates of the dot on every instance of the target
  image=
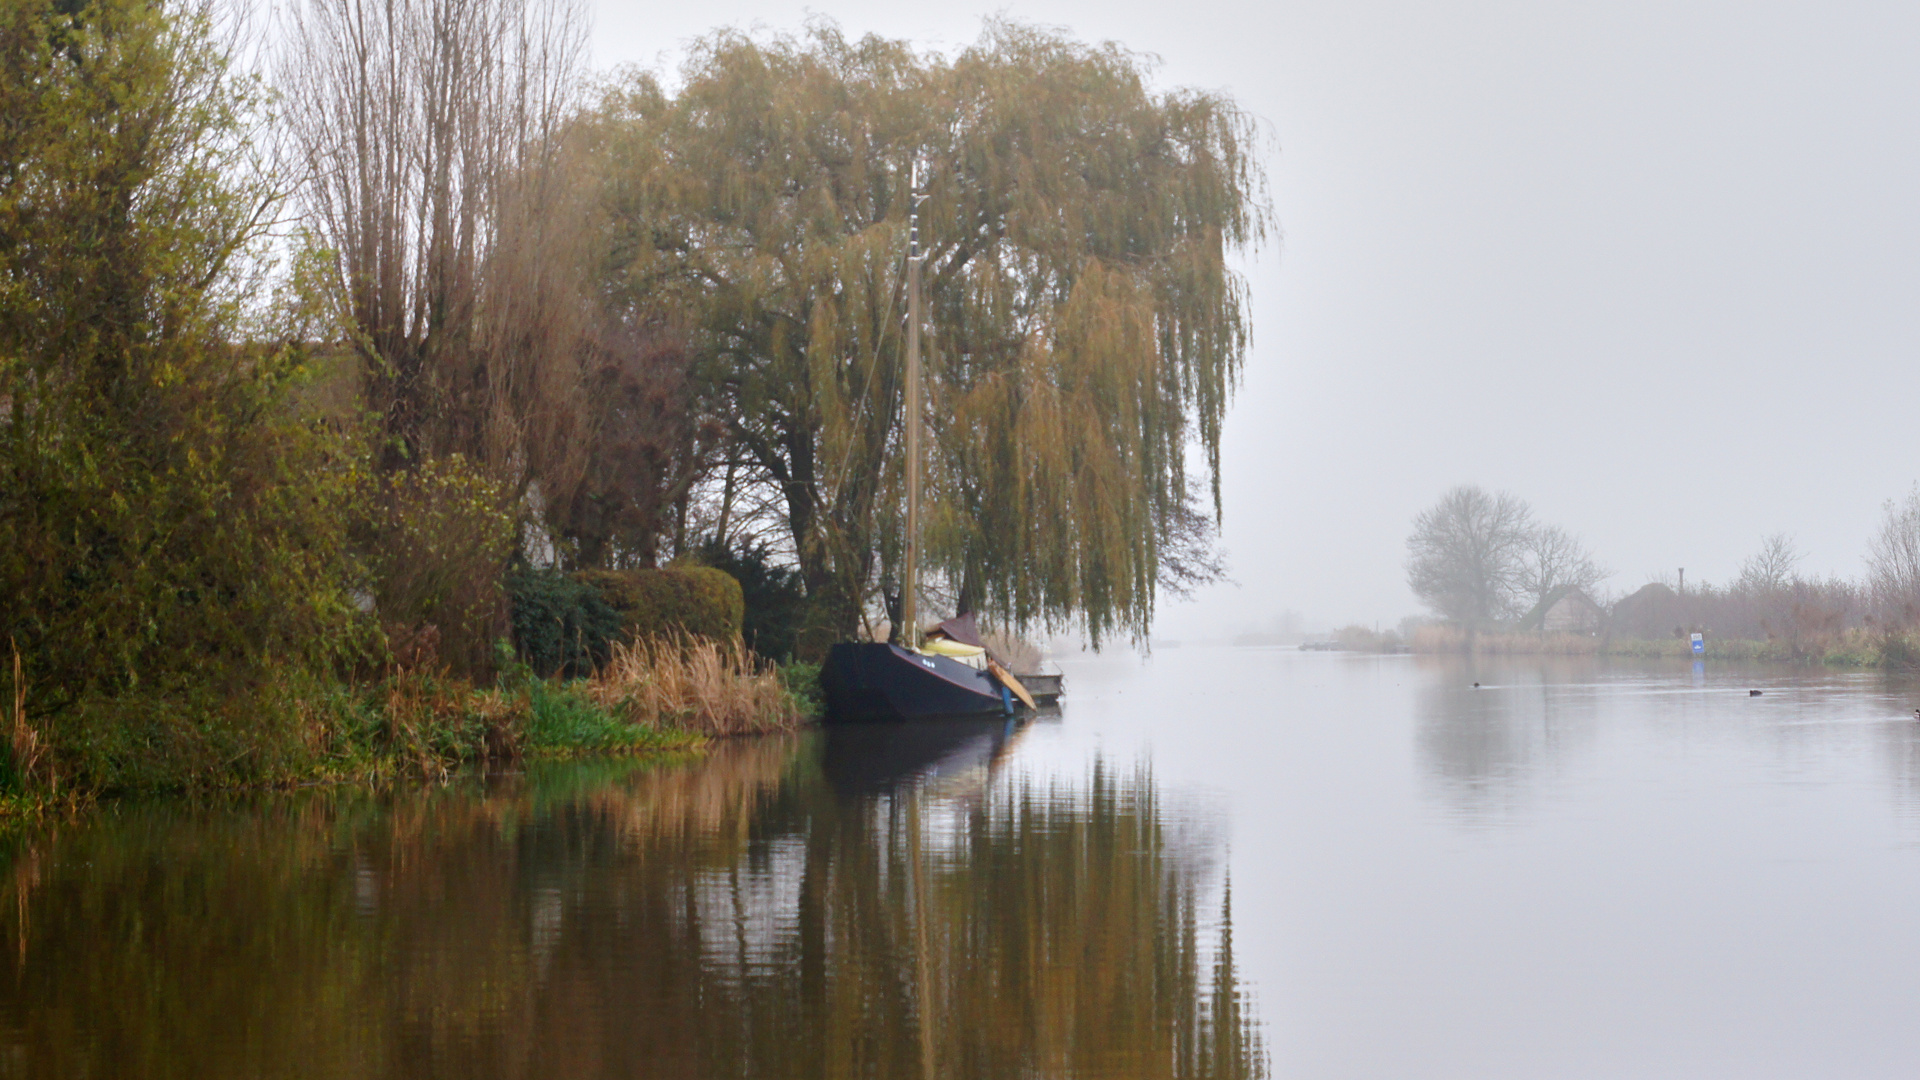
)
(1357, 638)
(414, 704)
(1456, 639)
(695, 684)
(23, 742)
(717, 801)
(433, 721)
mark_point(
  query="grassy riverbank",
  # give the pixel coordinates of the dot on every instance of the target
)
(652, 697)
(1855, 648)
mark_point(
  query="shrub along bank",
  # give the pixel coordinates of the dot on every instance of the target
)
(568, 624)
(597, 661)
(655, 695)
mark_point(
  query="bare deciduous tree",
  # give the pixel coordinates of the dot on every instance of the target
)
(649, 446)
(1893, 562)
(1770, 569)
(434, 136)
(1554, 558)
(1467, 556)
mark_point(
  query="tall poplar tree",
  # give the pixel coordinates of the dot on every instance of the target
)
(432, 132)
(1086, 327)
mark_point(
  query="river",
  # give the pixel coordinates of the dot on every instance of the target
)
(1213, 863)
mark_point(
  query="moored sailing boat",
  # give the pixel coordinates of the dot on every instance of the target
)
(875, 680)
(926, 677)
(868, 681)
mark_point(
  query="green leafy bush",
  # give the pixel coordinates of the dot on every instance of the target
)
(438, 544)
(566, 718)
(215, 736)
(561, 625)
(172, 540)
(802, 681)
(565, 624)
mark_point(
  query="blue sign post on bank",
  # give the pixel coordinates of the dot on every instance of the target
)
(1699, 645)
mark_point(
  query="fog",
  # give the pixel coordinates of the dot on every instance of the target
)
(1650, 266)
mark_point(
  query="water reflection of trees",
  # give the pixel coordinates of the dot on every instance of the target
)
(1483, 747)
(1894, 695)
(740, 917)
(1483, 751)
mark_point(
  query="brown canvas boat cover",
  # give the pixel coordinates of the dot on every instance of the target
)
(960, 628)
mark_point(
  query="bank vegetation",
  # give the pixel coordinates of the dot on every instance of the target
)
(1478, 560)
(410, 396)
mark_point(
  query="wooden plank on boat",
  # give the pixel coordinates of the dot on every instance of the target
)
(1007, 680)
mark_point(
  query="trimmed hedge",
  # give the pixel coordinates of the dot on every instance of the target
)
(695, 600)
(565, 624)
(775, 599)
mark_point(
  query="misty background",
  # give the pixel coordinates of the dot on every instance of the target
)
(1649, 266)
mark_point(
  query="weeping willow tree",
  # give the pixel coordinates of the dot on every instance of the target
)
(1086, 327)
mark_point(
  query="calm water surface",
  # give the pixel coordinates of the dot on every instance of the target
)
(1217, 863)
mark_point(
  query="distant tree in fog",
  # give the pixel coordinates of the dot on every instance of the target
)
(1893, 561)
(1554, 557)
(1771, 568)
(1467, 557)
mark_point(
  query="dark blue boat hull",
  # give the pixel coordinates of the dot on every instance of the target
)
(869, 682)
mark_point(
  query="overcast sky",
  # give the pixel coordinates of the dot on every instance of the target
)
(1651, 266)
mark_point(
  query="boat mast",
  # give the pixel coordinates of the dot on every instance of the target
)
(910, 572)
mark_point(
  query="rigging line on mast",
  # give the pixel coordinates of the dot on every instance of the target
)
(914, 198)
(846, 459)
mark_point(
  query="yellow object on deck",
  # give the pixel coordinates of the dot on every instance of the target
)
(940, 646)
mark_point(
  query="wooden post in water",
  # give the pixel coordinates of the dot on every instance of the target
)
(910, 571)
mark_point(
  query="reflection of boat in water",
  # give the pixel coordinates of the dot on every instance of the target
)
(871, 758)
